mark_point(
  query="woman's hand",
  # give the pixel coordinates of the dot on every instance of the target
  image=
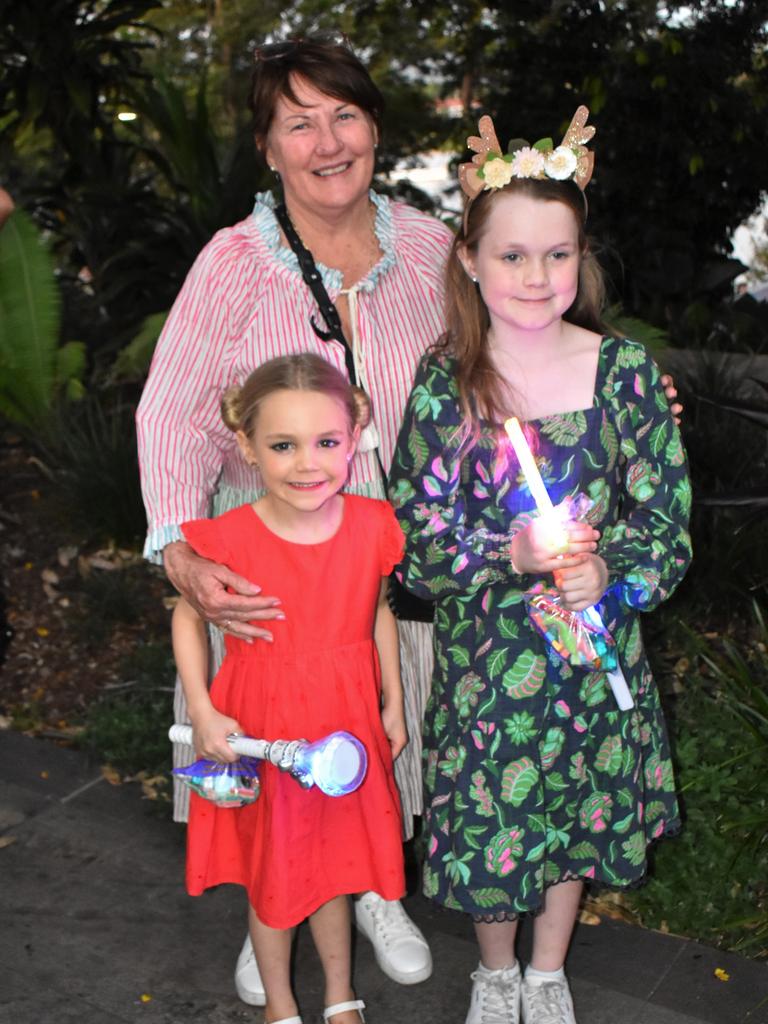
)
(210, 730)
(544, 547)
(582, 585)
(393, 720)
(671, 393)
(205, 585)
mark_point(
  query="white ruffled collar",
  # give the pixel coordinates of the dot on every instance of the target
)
(384, 227)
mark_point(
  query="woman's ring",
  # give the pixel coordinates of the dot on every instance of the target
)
(227, 623)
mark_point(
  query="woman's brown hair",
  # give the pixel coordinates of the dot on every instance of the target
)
(329, 65)
(304, 372)
(483, 393)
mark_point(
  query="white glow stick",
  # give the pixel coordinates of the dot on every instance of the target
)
(547, 512)
(529, 467)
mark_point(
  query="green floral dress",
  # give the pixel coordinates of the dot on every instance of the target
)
(533, 775)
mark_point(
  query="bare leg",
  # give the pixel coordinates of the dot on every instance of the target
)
(497, 943)
(272, 947)
(331, 928)
(553, 928)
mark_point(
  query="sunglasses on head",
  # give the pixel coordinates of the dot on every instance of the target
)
(278, 51)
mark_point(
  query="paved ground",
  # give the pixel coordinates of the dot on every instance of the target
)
(95, 928)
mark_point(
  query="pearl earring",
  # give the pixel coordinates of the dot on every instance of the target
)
(349, 456)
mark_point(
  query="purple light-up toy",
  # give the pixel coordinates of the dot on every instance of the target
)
(336, 764)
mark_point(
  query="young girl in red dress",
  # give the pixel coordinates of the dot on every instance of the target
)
(332, 664)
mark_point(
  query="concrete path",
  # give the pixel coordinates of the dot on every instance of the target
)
(95, 928)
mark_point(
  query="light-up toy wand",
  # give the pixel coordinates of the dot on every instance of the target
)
(336, 764)
(547, 512)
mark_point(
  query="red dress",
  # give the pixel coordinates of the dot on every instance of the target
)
(295, 849)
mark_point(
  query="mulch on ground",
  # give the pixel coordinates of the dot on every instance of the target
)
(71, 611)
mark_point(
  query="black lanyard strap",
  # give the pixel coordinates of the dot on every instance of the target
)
(314, 282)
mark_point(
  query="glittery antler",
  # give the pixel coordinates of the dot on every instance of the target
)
(487, 143)
(575, 138)
(492, 169)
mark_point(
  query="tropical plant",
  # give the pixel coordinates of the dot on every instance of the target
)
(92, 459)
(66, 65)
(211, 178)
(34, 368)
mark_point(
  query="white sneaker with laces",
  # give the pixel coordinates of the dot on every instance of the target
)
(495, 996)
(401, 950)
(248, 983)
(547, 1002)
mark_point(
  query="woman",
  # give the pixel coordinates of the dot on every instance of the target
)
(317, 122)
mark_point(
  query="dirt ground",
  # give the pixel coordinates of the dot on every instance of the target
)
(71, 614)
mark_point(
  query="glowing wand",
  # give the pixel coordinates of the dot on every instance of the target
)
(547, 512)
(336, 764)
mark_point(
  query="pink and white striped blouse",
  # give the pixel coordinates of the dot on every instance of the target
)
(243, 302)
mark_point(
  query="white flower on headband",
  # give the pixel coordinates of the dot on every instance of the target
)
(497, 172)
(560, 163)
(528, 163)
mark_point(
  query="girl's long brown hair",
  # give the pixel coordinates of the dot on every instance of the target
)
(483, 393)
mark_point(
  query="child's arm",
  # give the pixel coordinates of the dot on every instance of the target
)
(444, 554)
(385, 637)
(190, 649)
(648, 550)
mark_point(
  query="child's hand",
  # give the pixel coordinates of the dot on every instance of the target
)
(393, 720)
(210, 733)
(540, 547)
(582, 585)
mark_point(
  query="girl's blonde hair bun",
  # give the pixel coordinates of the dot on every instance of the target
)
(362, 406)
(232, 408)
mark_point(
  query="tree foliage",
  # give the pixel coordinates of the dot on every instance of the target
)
(678, 93)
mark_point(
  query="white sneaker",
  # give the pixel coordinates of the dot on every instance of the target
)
(401, 950)
(547, 1002)
(495, 996)
(248, 981)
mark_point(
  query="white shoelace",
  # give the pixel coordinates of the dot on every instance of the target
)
(391, 922)
(548, 1003)
(498, 997)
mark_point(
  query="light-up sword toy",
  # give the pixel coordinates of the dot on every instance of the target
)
(336, 764)
(547, 512)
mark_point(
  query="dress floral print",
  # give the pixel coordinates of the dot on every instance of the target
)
(533, 776)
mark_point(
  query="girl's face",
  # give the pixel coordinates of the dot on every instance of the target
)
(302, 444)
(323, 150)
(526, 262)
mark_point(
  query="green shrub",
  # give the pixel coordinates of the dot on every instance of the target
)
(128, 728)
(93, 464)
(712, 881)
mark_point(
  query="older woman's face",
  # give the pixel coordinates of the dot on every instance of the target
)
(323, 149)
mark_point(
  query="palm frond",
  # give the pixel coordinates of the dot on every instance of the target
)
(30, 308)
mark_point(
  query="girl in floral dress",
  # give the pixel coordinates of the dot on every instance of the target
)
(536, 782)
(332, 664)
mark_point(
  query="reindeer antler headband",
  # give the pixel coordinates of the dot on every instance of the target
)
(490, 168)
